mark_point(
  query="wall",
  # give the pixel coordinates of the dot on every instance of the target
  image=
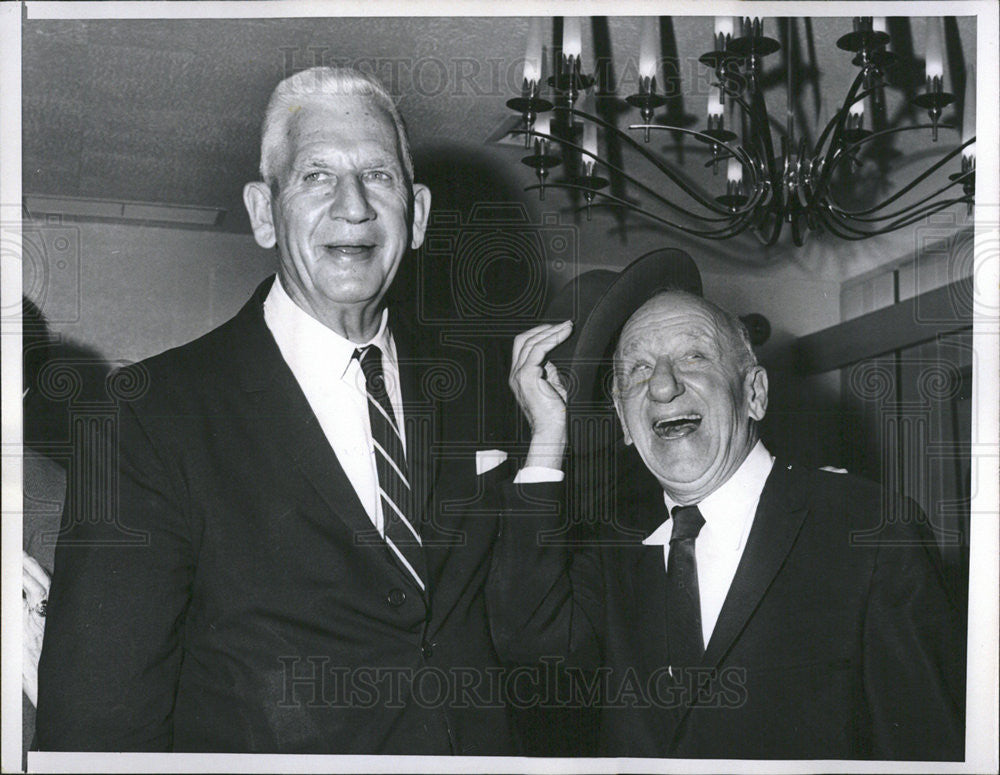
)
(127, 291)
(131, 291)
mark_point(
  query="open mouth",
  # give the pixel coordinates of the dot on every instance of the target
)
(349, 250)
(677, 427)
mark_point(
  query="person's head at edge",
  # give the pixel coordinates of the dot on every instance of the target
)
(689, 392)
(337, 197)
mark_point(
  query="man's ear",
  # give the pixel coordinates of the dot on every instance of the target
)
(755, 390)
(421, 212)
(257, 200)
(621, 419)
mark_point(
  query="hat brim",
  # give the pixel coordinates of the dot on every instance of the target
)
(587, 354)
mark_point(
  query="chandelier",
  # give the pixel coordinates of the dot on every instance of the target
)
(773, 177)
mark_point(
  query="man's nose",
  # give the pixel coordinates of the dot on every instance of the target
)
(350, 201)
(664, 384)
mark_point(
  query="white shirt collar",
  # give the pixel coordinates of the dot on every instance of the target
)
(312, 341)
(729, 510)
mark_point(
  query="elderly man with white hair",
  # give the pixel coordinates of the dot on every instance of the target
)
(279, 564)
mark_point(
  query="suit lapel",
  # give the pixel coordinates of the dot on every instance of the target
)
(284, 421)
(776, 525)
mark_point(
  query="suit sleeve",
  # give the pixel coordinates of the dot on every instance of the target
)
(124, 563)
(914, 649)
(543, 595)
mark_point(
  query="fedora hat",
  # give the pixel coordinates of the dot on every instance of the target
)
(600, 302)
(605, 476)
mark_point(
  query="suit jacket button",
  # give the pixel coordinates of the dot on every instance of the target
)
(427, 650)
(395, 598)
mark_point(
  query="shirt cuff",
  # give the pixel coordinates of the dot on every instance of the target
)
(538, 474)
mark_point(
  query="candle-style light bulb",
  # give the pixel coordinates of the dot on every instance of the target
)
(590, 141)
(572, 37)
(715, 107)
(716, 111)
(855, 126)
(723, 26)
(936, 97)
(878, 24)
(734, 171)
(543, 125)
(934, 50)
(649, 48)
(533, 55)
(969, 156)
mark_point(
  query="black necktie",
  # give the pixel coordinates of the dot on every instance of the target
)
(402, 530)
(684, 638)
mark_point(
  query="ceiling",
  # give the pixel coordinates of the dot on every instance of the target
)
(168, 111)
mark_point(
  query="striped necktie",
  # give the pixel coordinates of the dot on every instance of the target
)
(685, 643)
(401, 529)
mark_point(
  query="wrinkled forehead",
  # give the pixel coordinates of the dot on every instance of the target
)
(671, 318)
(350, 120)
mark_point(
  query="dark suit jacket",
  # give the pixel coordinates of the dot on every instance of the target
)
(837, 638)
(226, 590)
(44, 490)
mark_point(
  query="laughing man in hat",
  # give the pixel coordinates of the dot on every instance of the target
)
(752, 608)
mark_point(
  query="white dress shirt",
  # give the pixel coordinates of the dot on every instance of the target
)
(331, 378)
(728, 514)
(334, 385)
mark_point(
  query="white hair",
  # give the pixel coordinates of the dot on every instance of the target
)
(320, 83)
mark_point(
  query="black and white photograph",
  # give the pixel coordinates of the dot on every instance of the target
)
(463, 388)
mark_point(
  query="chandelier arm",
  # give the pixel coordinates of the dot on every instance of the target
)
(930, 210)
(737, 98)
(897, 129)
(630, 179)
(723, 213)
(775, 233)
(831, 154)
(854, 216)
(760, 129)
(839, 116)
(722, 233)
(901, 192)
(737, 151)
(719, 234)
(908, 220)
(702, 199)
(844, 223)
(775, 173)
(832, 226)
(756, 113)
